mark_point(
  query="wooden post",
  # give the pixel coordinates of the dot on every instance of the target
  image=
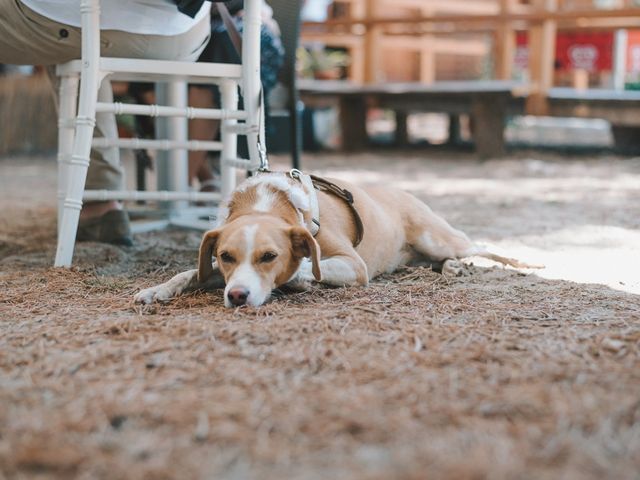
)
(427, 52)
(427, 59)
(402, 133)
(488, 114)
(353, 122)
(580, 79)
(505, 44)
(542, 53)
(454, 130)
(358, 9)
(372, 47)
(358, 67)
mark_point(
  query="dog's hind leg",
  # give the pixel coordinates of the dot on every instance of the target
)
(181, 283)
(431, 236)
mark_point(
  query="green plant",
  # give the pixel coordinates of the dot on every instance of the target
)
(312, 61)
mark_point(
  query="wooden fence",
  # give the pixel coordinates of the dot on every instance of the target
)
(370, 24)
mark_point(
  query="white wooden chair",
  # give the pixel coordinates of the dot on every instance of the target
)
(81, 79)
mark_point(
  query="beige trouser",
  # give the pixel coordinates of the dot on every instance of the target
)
(27, 38)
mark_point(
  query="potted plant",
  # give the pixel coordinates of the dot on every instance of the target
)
(321, 63)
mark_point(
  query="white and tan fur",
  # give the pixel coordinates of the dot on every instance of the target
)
(263, 243)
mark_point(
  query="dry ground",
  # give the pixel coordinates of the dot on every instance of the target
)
(499, 374)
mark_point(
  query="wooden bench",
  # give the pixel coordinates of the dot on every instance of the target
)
(620, 107)
(487, 102)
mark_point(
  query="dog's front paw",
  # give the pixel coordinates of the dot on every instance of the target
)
(303, 279)
(153, 294)
(300, 284)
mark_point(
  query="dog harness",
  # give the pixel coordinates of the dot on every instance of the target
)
(312, 184)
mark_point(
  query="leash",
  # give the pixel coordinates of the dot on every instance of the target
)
(236, 41)
(232, 31)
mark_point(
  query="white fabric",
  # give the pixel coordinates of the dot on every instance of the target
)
(303, 196)
(144, 17)
(315, 10)
(307, 183)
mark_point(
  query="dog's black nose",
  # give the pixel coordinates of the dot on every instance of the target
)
(238, 296)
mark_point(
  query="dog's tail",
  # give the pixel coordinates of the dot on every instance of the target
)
(483, 252)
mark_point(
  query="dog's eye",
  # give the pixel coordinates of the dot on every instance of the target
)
(268, 257)
(226, 257)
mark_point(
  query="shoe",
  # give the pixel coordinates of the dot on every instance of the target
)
(112, 227)
(207, 186)
(211, 185)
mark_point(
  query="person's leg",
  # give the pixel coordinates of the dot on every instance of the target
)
(217, 50)
(106, 173)
(201, 129)
(184, 47)
(29, 38)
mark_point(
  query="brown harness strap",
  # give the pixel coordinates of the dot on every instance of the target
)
(232, 31)
(326, 186)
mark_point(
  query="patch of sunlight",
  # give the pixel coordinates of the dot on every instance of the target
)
(586, 254)
(549, 188)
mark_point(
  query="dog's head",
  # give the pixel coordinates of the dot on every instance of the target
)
(256, 254)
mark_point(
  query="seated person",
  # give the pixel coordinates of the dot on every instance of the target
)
(47, 32)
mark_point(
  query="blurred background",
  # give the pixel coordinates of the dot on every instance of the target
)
(568, 71)
(541, 46)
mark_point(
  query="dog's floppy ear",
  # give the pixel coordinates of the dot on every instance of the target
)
(304, 245)
(207, 250)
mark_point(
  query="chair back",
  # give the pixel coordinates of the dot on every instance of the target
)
(287, 14)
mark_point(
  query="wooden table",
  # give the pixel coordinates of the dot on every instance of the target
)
(487, 102)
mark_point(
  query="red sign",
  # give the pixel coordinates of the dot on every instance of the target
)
(585, 51)
(592, 51)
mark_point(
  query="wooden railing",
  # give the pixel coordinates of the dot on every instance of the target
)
(373, 23)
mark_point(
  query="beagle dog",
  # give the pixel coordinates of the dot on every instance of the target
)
(280, 230)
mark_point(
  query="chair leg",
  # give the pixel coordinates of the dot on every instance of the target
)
(229, 100)
(66, 130)
(77, 171)
(295, 132)
(177, 96)
(172, 166)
